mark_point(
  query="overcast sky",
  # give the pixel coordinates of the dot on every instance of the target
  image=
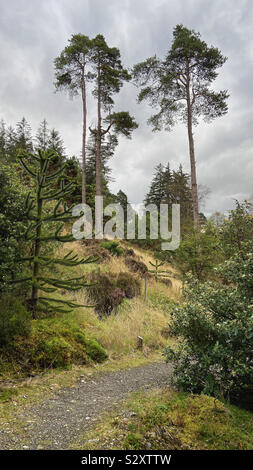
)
(33, 33)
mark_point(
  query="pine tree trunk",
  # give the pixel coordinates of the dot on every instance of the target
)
(84, 140)
(99, 133)
(194, 186)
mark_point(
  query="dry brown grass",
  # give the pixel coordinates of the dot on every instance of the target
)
(146, 257)
(118, 333)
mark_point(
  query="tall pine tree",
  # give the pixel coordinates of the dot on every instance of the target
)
(72, 74)
(179, 88)
(109, 76)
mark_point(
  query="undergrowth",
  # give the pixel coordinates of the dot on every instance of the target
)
(81, 337)
(164, 419)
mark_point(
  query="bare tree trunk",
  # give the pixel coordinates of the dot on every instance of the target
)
(99, 134)
(194, 186)
(84, 139)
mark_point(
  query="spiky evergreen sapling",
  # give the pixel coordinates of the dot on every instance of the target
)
(40, 215)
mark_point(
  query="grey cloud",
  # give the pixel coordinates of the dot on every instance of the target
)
(32, 34)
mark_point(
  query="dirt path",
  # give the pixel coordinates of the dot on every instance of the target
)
(58, 421)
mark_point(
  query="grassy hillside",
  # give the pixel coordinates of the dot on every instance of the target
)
(82, 337)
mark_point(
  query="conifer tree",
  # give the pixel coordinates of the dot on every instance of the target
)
(180, 193)
(179, 88)
(122, 199)
(42, 135)
(47, 139)
(73, 174)
(157, 189)
(172, 187)
(23, 136)
(2, 139)
(168, 179)
(109, 77)
(11, 144)
(39, 234)
(56, 143)
(72, 74)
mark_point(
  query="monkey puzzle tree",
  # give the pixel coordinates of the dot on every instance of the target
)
(41, 215)
(179, 86)
(71, 75)
(109, 77)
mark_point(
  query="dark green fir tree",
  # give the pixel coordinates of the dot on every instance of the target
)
(157, 190)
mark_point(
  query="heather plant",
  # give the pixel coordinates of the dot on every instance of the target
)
(129, 284)
(108, 291)
(136, 266)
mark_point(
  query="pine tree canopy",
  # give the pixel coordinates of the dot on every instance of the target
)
(189, 62)
(71, 63)
(107, 63)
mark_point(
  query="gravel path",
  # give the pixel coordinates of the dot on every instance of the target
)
(59, 420)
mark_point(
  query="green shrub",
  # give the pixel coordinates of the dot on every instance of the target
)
(198, 253)
(238, 270)
(237, 229)
(12, 223)
(129, 284)
(65, 343)
(14, 320)
(215, 355)
(113, 247)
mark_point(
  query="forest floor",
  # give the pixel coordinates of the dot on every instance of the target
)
(59, 420)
